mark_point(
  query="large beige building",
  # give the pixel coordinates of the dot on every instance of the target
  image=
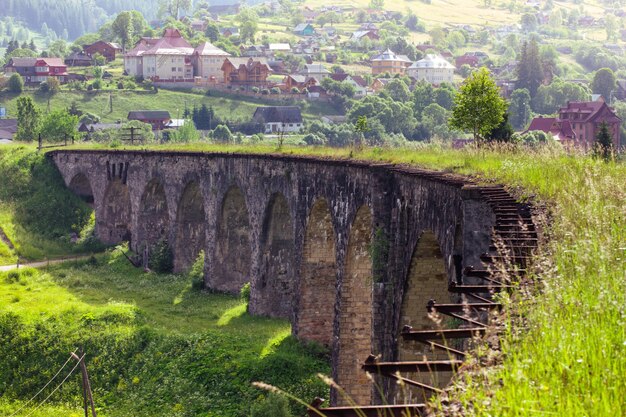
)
(433, 69)
(390, 62)
(172, 58)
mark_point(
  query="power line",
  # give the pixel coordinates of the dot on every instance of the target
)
(45, 386)
(57, 388)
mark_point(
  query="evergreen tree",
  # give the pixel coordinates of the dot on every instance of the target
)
(519, 109)
(604, 142)
(529, 69)
(503, 132)
(32, 46)
(27, 119)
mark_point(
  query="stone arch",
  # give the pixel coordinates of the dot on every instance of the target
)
(153, 222)
(318, 277)
(190, 227)
(355, 321)
(275, 285)
(114, 221)
(232, 261)
(81, 186)
(427, 279)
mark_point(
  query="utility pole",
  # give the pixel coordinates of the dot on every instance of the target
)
(87, 395)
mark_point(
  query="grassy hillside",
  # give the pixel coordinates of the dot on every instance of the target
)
(155, 346)
(37, 212)
(226, 107)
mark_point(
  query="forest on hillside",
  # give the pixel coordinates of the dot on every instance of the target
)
(70, 19)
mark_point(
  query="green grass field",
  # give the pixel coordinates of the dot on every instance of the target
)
(226, 106)
(155, 346)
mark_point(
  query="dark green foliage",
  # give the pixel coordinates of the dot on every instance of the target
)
(604, 143)
(161, 257)
(519, 109)
(43, 205)
(273, 405)
(244, 293)
(196, 273)
(503, 132)
(16, 84)
(529, 69)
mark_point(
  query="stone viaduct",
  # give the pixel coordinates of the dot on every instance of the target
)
(349, 252)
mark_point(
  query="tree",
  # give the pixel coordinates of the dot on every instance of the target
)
(604, 142)
(186, 133)
(478, 106)
(503, 132)
(604, 82)
(212, 32)
(222, 134)
(529, 22)
(611, 25)
(519, 109)
(122, 27)
(53, 85)
(550, 98)
(59, 125)
(529, 69)
(248, 24)
(16, 83)
(433, 117)
(398, 90)
(27, 119)
(173, 7)
(377, 4)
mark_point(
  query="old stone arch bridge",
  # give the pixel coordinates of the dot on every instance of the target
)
(349, 252)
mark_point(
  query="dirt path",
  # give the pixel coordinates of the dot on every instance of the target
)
(40, 264)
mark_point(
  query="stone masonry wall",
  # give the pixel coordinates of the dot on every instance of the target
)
(254, 217)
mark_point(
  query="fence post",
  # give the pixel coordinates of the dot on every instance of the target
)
(39, 142)
(132, 135)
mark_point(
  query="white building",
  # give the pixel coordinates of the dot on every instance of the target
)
(279, 119)
(433, 68)
(172, 58)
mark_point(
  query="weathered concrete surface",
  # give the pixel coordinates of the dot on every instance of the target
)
(330, 245)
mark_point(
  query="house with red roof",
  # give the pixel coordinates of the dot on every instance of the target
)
(37, 70)
(106, 49)
(579, 122)
(358, 82)
(171, 58)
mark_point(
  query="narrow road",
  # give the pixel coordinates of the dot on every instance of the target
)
(39, 264)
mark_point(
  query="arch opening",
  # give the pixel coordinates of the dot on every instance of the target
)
(232, 260)
(355, 321)
(153, 216)
(318, 277)
(81, 186)
(114, 224)
(427, 279)
(275, 285)
(190, 227)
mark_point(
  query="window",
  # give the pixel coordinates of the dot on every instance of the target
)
(173, 69)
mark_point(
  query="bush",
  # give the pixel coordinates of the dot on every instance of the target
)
(265, 91)
(97, 84)
(275, 90)
(244, 293)
(314, 140)
(255, 90)
(196, 273)
(273, 405)
(222, 134)
(16, 84)
(161, 257)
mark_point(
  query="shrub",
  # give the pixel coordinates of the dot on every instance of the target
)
(16, 83)
(196, 273)
(161, 257)
(244, 293)
(265, 91)
(222, 134)
(275, 90)
(273, 405)
(314, 140)
(97, 84)
(255, 90)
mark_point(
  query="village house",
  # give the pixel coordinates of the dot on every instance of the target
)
(304, 29)
(560, 130)
(359, 35)
(37, 70)
(579, 122)
(246, 71)
(470, 60)
(275, 48)
(171, 58)
(358, 82)
(107, 49)
(379, 84)
(433, 69)
(78, 59)
(8, 129)
(207, 61)
(317, 71)
(229, 31)
(159, 119)
(390, 62)
(297, 81)
(279, 119)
